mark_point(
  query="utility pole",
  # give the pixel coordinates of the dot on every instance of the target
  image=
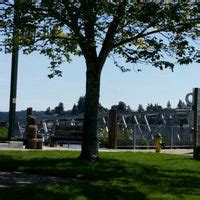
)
(28, 34)
(13, 83)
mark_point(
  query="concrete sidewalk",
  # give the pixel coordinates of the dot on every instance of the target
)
(168, 151)
(18, 146)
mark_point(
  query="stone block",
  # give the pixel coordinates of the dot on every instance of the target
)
(16, 144)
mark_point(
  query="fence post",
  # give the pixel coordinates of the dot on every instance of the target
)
(172, 137)
(112, 128)
(134, 136)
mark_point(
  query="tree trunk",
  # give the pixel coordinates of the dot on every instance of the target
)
(89, 150)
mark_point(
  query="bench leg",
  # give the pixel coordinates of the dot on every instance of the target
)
(53, 143)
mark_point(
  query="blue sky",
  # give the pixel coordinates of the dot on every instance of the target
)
(151, 85)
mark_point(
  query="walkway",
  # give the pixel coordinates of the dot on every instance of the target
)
(74, 148)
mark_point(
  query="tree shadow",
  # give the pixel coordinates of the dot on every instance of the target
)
(107, 179)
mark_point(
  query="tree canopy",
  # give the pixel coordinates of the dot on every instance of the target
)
(139, 32)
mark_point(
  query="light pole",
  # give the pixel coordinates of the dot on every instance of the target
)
(26, 34)
(13, 82)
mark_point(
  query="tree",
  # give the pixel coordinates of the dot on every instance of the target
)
(181, 104)
(139, 32)
(59, 109)
(169, 105)
(129, 110)
(140, 108)
(102, 110)
(122, 107)
(157, 108)
(81, 105)
(150, 108)
(48, 111)
(74, 110)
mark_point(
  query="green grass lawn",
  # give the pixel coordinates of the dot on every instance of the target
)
(116, 176)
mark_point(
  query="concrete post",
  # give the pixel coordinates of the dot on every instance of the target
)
(196, 111)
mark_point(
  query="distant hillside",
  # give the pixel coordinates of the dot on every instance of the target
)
(21, 115)
(3, 116)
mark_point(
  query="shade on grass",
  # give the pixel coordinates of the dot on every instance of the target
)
(115, 176)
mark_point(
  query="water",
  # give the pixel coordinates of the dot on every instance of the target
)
(74, 146)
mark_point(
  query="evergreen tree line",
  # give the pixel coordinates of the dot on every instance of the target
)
(122, 107)
(78, 108)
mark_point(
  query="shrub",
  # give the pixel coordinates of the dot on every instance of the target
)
(3, 132)
(102, 137)
(124, 137)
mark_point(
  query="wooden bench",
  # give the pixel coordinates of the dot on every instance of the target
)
(66, 134)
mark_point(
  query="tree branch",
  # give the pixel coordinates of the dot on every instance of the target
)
(109, 38)
(140, 35)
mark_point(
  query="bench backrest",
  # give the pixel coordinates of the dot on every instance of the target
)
(68, 130)
(68, 127)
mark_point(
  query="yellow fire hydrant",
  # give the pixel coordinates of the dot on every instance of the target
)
(158, 142)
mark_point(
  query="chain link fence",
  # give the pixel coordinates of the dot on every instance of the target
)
(142, 136)
(137, 136)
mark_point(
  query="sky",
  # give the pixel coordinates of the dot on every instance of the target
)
(151, 85)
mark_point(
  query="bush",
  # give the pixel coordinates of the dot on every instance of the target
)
(3, 133)
(124, 137)
(142, 142)
(102, 137)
